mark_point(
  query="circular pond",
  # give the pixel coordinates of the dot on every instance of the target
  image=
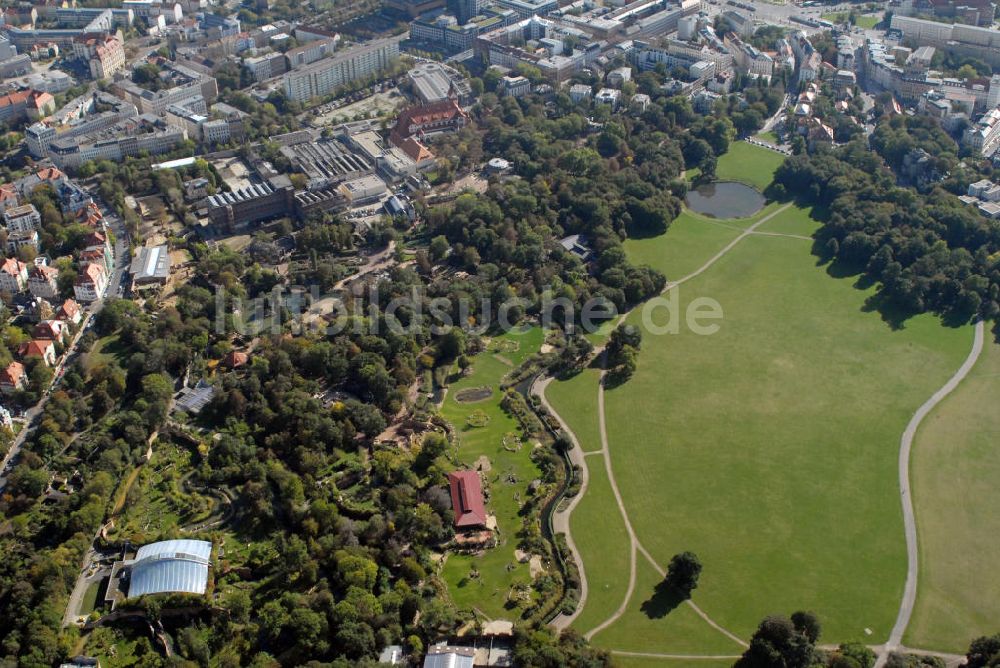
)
(725, 199)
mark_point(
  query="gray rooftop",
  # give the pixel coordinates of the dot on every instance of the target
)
(151, 263)
(443, 656)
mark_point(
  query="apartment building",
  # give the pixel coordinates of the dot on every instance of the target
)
(43, 282)
(90, 283)
(187, 83)
(13, 276)
(983, 136)
(267, 66)
(358, 62)
(966, 40)
(311, 51)
(740, 23)
(106, 56)
(22, 218)
(127, 138)
(749, 60)
(26, 104)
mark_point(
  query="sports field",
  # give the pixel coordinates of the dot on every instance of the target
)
(954, 470)
(498, 571)
(768, 448)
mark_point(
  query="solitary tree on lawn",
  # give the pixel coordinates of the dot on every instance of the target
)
(683, 572)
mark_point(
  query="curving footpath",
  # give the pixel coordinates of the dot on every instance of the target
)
(560, 518)
(909, 522)
(578, 457)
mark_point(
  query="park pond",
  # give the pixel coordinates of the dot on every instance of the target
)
(725, 199)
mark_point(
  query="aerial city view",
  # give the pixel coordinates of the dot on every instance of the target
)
(524, 333)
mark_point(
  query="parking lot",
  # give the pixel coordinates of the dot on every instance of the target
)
(380, 103)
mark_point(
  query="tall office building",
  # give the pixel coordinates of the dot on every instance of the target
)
(414, 8)
(465, 9)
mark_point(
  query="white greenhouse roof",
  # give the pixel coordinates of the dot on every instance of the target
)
(171, 566)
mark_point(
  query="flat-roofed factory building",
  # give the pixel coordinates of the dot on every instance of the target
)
(151, 266)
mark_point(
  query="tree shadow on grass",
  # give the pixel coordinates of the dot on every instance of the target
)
(663, 601)
(892, 313)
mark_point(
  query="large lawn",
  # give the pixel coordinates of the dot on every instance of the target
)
(649, 662)
(768, 448)
(605, 553)
(498, 569)
(578, 396)
(689, 242)
(955, 467)
(653, 624)
(748, 164)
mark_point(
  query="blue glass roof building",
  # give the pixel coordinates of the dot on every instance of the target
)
(170, 566)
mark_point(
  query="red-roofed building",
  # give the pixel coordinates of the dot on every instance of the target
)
(467, 499)
(50, 330)
(39, 348)
(97, 256)
(95, 239)
(235, 359)
(13, 378)
(40, 105)
(70, 312)
(43, 282)
(13, 276)
(417, 152)
(429, 119)
(90, 284)
(98, 241)
(13, 106)
(22, 104)
(50, 175)
(8, 197)
(91, 216)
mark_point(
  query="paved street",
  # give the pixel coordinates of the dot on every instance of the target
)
(121, 266)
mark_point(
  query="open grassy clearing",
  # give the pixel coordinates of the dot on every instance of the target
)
(651, 623)
(643, 662)
(792, 221)
(605, 554)
(688, 242)
(106, 349)
(770, 447)
(955, 466)
(865, 21)
(748, 164)
(114, 646)
(578, 396)
(498, 570)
